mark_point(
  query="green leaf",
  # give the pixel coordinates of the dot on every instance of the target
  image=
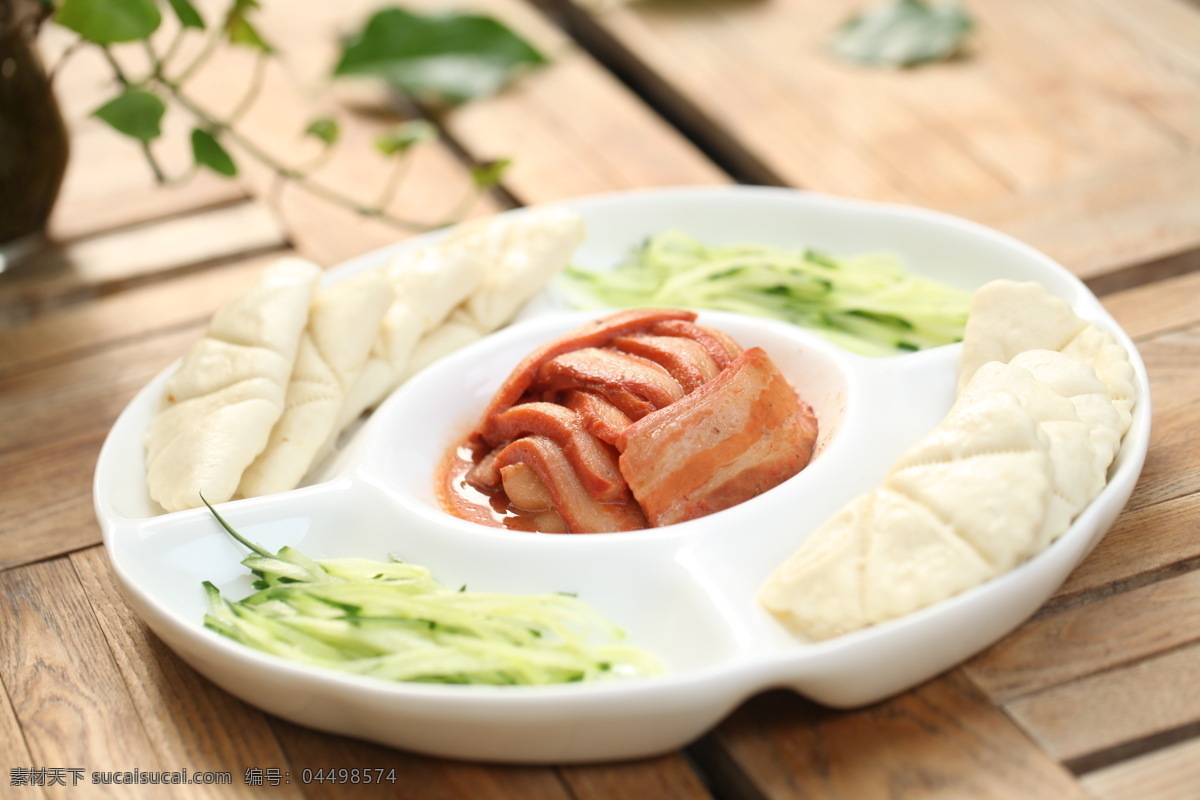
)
(903, 33)
(446, 58)
(109, 21)
(404, 136)
(208, 152)
(188, 16)
(239, 29)
(489, 173)
(135, 113)
(324, 128)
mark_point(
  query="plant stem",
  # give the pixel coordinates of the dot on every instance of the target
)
(252, 92)
(172, 49)
(298, 176)
(210, 47)
(299, 179)
(118, 71)
(464, 205)
(399, 170)
(63, 57)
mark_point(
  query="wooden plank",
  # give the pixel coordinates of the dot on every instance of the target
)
(1167, 28)
(1161, 775)
(1110, 52)
(1157, 308)
(104, 263)
(63, 683)
(665, 776)
(1145, 544)
(75, 399)
(1103, 183)
(14, 754)
(55, 514)
(1102, 635)
(1171, 470)
(75, 330)
(761, 75)
(1018, 105)
(1112, 229)
(1045, 120)
(1049, 57)
(192, 723)
(941, 740)
(1097, 720)
(407, 776)
(54, 422)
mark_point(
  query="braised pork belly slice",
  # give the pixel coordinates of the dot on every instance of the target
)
(633, 384)
(524, 488)
(593, 334)
(579, 510)
(734, 438)
(718, 344)
(526, 491)
(593, 461)
(684, 359)
(601, 418)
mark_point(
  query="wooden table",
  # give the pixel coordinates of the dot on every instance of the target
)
(1073, 125)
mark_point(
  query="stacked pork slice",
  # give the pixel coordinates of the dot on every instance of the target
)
(640, 419)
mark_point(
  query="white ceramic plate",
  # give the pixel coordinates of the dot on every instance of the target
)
(685, 592)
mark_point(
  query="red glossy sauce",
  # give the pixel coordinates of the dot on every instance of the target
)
(460, 498)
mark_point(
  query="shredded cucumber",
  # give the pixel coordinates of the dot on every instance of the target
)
(870, 304)
(392, 620)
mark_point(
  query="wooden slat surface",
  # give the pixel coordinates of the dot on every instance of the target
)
(941, 740)
(1146, 704)
(416, 776)
(1073, 125)
(13, 751)
(1145, 544)
(1161, 775)
(1102, 636)
(1114, 230)
(139, 311)
(1171, 470)
(56, 420)
(1064, 104)
(664, 776)
(59, 697)
(103, 263)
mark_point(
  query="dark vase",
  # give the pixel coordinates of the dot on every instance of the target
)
(33, 138)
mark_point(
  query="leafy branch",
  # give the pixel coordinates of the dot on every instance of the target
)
(439, 60)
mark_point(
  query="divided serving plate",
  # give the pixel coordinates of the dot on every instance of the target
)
(685, 592)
